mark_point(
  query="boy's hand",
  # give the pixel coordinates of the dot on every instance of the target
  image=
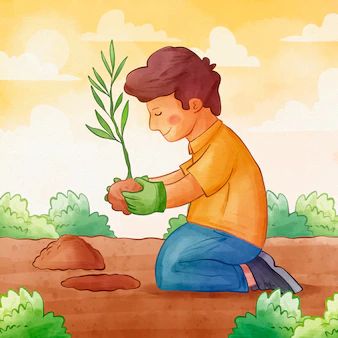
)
(152, 198)
(117, 179)
(114, 196)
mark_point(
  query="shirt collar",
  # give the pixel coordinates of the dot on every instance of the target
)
(201, 140)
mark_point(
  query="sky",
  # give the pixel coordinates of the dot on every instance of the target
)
(278, 61)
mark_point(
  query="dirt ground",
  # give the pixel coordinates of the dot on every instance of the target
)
(148, 312)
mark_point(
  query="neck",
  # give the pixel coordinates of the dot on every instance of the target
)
(204, 121)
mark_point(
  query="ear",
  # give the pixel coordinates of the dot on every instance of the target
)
(195, 104)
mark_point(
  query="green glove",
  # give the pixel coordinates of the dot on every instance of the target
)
(152, 198)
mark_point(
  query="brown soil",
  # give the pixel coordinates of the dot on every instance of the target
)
(69, 252)
(147, 312)
(115, 197)
(101, 282)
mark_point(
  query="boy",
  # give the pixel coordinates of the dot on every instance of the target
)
(220, 247)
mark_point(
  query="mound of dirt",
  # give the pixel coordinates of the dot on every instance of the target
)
(69, 252)
(101, 282)
(115, 197)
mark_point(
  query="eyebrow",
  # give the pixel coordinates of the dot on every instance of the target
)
(155, 108)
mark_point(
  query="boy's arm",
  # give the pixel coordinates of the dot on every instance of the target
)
(169, 178)
(174, 176)
(156, 196)
(183, 191)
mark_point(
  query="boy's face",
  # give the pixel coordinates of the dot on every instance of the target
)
(167, 116)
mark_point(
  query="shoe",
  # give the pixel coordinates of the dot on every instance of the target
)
(268, 276)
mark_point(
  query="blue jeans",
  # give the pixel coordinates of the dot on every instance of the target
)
(198, 258)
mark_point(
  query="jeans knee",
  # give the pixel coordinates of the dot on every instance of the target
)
(167, 257)
(161, 275)
(163, 270)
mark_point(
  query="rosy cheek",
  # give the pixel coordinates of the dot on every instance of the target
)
(174, 119)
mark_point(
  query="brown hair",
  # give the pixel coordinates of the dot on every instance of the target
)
(180, 71)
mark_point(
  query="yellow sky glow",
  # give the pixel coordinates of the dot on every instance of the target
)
(288, 70)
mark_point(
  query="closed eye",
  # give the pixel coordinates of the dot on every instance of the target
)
(158, 114)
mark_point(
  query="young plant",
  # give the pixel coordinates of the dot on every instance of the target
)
(101, 86)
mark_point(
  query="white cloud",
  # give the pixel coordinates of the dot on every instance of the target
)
(296, 116)
(112, 26)
(328, 31)
(28, 66)
(50, 46)
(225, 51)
(46, 52)
(55, 154)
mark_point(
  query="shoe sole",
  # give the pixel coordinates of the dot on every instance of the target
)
(281, 272)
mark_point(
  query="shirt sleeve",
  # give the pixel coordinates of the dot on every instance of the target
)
(186, 165)
(214, 168)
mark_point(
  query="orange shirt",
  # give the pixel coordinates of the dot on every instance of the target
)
(234, 197)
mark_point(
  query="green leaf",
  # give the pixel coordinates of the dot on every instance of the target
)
(104, 125)
(118, 102)
(124, 117)
(97, 99)
(99, 78)
(96, 85)
(112, 56)
(106, 63)
(119, 68)
(99, 132)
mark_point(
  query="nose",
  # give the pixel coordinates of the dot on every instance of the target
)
(152, 124)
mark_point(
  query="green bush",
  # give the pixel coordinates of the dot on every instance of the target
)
(16, 204)
(70, 214)
(279, 316)
(321, 327)
(283, 223)
(276, 316)
(16, 222)
(22, 315)
(320, 213)
(174, 223)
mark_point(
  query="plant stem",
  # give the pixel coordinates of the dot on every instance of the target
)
(126, 157)
(119, 135)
